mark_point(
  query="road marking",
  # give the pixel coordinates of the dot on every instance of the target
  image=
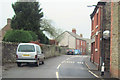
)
(91, 71)
(67, 58)
(72, 62)
(58, 66)
(81, 62)
(93, 74)
(57, 75)
(62, 61)
(87, 65)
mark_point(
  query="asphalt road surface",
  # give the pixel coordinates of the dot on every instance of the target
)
(65, 66)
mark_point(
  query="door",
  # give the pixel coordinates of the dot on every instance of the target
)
(39, 52)
(26, 52)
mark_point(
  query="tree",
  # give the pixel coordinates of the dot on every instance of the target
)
(43, 39)
(49, 28)
(27, 16)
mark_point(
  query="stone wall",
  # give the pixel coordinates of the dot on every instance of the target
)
(115, 47)
(106, 42)
(9, 51)
(119, 41)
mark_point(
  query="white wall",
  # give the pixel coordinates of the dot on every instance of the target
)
(67, 40)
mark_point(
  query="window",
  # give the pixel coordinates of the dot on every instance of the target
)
(26, 48)
(84, 43)
(97, 18)
(92, 25)
(78, 43)
(81, 49)
(97, 41)
(38, 49)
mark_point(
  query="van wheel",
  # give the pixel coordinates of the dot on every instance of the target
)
(37, 63)
(42, 62)
(19, 64)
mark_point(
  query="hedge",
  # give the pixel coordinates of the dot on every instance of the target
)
(19, 36)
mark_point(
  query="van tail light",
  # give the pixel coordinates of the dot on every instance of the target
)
(35, 56)
(16, 56)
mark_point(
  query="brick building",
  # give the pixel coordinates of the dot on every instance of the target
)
(5, 28)
(53, 42)
(100, 47)
(73, 41)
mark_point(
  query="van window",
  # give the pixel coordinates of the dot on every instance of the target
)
(38, 49)
(26, 48)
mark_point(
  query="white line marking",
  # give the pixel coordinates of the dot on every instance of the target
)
(58, 66)
(63, 61)
(67, 58)
(57, 75)
(82, 62)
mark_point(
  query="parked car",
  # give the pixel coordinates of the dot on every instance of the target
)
(77, 52)
(29, 53)
(70, 52)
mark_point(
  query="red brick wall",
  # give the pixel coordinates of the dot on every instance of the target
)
(95, 55)
(83, 46)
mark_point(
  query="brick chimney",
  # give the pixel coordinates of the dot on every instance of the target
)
(8, 21)
(74, 30)
(81, 35)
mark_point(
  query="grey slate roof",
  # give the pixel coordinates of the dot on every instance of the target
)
(76, 35)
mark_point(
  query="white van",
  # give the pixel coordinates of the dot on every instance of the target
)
(29, 53)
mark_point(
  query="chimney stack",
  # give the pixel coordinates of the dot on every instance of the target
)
(8, 21)
(81, 35)
(74, 30)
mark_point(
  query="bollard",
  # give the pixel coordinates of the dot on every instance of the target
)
(102, 69)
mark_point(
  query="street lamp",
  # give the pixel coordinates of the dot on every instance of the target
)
(91, 5)
(106, 34)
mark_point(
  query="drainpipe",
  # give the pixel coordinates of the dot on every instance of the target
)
(101, 38)
(111, 35)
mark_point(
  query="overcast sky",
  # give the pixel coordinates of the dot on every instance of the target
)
(65, 14)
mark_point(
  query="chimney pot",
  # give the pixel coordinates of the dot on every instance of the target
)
(74, 30)
(8, 21)
(81, 35)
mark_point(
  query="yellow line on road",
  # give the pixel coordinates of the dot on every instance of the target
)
(93, 74)
(57, 75)
(87, 65)
(58, 66)
(91, 71)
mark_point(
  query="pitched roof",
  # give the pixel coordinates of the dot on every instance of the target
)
(96, 7)
(76, 35)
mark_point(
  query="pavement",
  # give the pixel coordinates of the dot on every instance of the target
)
(93, 69)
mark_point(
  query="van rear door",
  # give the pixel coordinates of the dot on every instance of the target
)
(26, 52)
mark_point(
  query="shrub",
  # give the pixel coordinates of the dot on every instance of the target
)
(17, 36)
(34, 36)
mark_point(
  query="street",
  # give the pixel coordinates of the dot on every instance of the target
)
(65, 66)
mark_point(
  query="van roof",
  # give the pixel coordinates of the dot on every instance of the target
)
(28, 44)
